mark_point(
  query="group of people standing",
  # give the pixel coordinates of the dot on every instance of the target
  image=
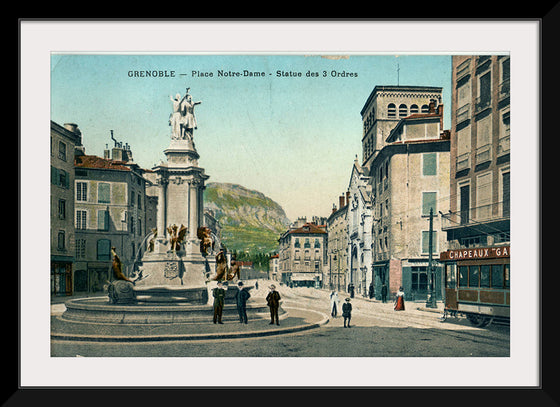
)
(347, 306)
(241, 296)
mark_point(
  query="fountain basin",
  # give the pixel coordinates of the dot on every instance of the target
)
(101, 310)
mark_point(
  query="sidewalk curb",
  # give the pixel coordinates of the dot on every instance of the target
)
(192, 337)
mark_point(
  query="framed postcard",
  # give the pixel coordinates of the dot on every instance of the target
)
(345, 200)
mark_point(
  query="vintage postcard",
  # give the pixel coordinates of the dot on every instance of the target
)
(312, 205)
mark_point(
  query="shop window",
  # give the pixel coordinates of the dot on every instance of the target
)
(451, 269)
(497, 276)
(485, 276)
(474, 275)
(463, 276)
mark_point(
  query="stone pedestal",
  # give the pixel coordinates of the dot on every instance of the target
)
(180, 203)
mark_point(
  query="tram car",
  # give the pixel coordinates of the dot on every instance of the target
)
(477, 284)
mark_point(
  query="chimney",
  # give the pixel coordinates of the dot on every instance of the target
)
(333, 208)
(73, 127)
(106, 152)
(347, 197)
(440, 113)
(432, 106)
(341, 200)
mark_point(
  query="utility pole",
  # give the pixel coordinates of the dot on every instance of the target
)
(431, 301)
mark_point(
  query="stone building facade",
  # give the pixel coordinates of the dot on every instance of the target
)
(406, 160)
(479, 212)
(337, 247)
(303, 255)
(359, 219)
(65, 140)
(110, 211)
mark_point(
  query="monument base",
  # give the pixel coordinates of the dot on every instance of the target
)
(172, 277)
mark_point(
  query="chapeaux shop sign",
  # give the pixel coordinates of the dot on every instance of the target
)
(476, 253)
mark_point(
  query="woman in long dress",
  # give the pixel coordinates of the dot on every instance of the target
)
(399, 300)
(335, 303)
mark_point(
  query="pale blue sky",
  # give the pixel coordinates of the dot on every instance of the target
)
(293, 139)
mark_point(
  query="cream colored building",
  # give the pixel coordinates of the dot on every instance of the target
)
(410, 176)
(337, 247)
(109, 211)
(480, 152)
(303, 255)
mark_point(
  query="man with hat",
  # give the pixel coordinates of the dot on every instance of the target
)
(273, 301)
(347, 312)
(241, 297)
(219, 296)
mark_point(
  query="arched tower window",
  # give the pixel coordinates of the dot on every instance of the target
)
(403, 110)
(392, 110)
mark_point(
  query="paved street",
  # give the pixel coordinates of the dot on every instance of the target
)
(377, 331)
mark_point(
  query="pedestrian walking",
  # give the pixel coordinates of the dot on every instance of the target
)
(241, 297)
(347, 312)
(335, 303)
(371, 291)
(351, 290)
(219, 296)
(384, 293)
(273, 301)
(399, 300)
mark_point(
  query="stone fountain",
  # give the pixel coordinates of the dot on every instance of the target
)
(172, 283)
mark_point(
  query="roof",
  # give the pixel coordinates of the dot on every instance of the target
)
(92, 161)
(308, 228)
(402, 88)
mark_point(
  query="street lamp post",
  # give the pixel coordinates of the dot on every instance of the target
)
(431, 301)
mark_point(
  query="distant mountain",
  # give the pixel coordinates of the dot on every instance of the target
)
(250, 221)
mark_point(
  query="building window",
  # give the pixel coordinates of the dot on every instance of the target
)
(428, 202)
(403, 110)
(307, 244)
(61, 244)
(413, 109)
(104, 192)
(419, 279)
(61, 151)
(426, 242)
(104, 250)
(425, 109)
(505, 195)
(484, 140)
(81, 191)
(391, 110)
(296, 243)
(317, 243)
(62, 209)
(484, 196)
(60, 177)
(103, 220)
(80, 248)
(81, 217)
(484, 92)
(429, 164)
